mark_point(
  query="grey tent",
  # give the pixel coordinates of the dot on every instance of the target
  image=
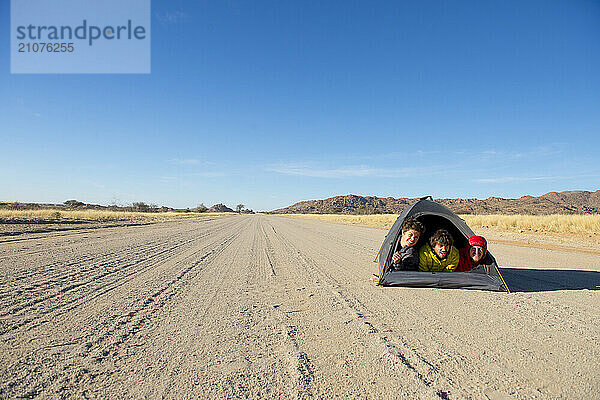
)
(486, 276)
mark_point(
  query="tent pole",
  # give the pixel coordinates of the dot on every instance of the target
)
(382, 271)
(375, 260)
(505, 285)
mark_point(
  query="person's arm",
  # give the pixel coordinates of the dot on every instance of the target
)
(423, 259)
(397, 257)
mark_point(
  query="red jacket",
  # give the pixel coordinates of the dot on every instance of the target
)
(465, 263)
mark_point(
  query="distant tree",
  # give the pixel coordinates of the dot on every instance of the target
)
(239, 208)
(201, 208)
(141, 206)
(74, 203)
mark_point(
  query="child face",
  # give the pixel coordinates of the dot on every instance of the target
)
(441, 250)
(409, 238)
(476, 253)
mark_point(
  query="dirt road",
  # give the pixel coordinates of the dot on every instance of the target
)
(270, 307)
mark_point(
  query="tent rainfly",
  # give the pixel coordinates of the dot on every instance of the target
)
(486, 276)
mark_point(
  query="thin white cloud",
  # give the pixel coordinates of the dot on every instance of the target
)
(427, 152)
(507, 179)
(550, 150)
(490, 152)
(429, 163)
(190, 161)
(307, 169)
(208, 174)
(184, 161)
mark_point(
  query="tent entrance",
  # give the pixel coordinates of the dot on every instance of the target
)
(434, 222)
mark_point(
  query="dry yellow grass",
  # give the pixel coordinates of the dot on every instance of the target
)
(555, 223)
(97, 215)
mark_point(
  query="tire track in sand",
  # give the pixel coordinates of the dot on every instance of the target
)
(400, 354)
(105, 340)
(87, 283)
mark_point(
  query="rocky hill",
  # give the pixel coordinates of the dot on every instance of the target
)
(582, 202)
(220, 208)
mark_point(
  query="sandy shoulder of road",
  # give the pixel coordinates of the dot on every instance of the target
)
(589, 244)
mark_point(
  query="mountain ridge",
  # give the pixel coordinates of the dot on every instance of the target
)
(567, 202)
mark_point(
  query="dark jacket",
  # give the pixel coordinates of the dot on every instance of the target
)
(410, 258)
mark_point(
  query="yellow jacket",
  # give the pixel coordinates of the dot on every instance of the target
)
(429, 261)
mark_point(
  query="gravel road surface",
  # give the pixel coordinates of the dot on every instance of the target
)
(259, 306)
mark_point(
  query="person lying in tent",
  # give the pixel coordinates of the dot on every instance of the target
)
(473, 254)
(406, 256)
(439, 255)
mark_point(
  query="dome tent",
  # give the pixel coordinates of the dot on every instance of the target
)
(486, 276)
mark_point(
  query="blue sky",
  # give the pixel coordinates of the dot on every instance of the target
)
(270, 103)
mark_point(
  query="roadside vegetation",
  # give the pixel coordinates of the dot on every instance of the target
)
(96, 215)
(587, 224)
(76, 210)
